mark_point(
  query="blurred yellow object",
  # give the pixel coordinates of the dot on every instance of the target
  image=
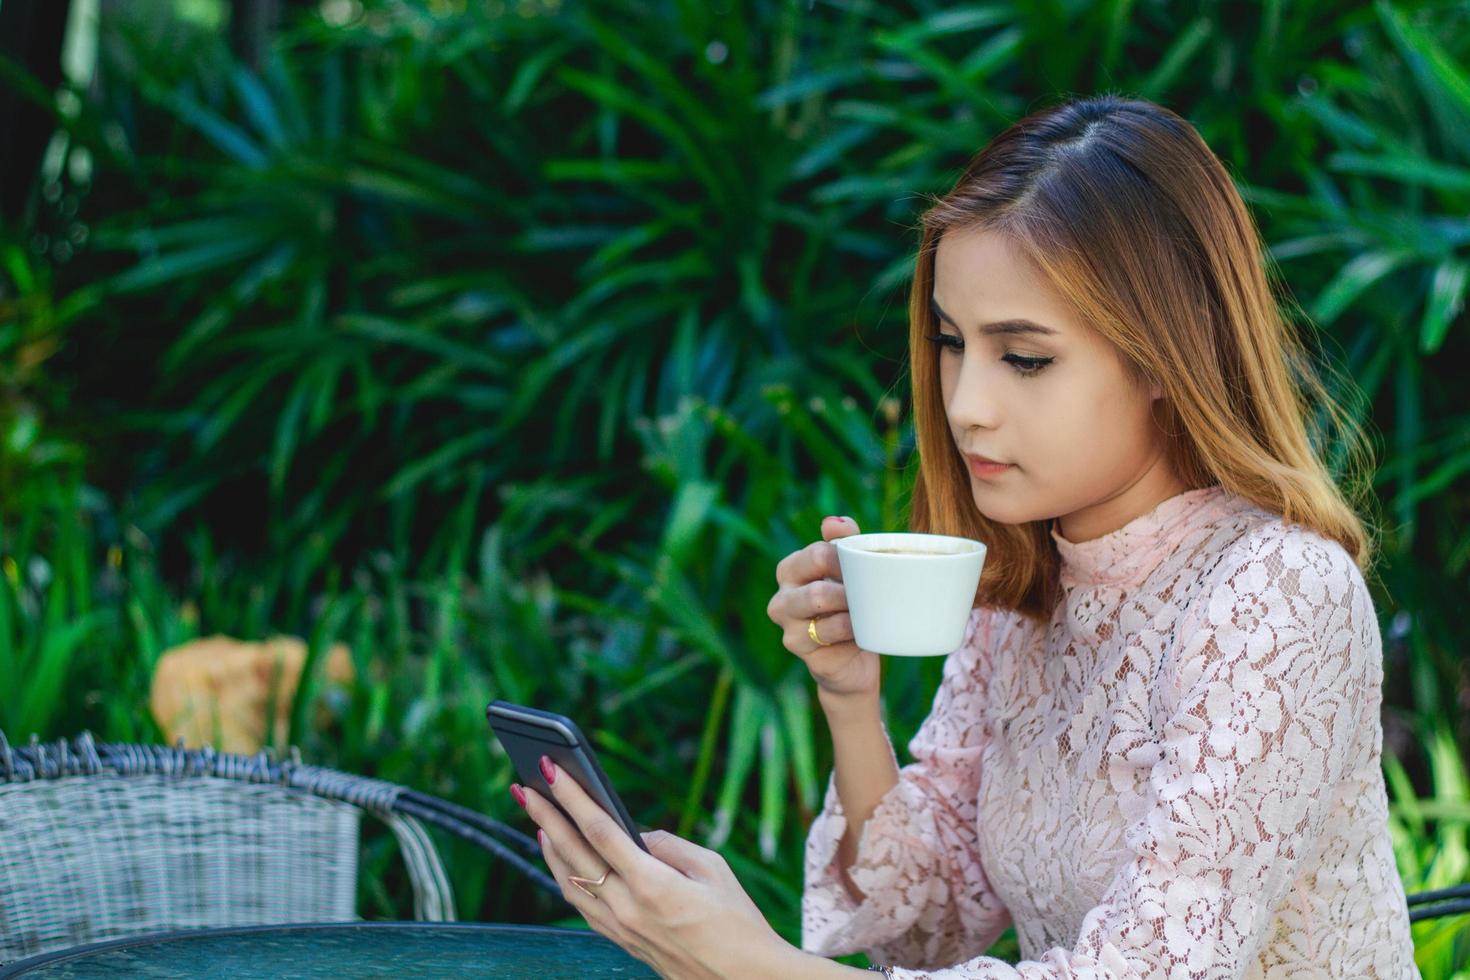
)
(218, 690)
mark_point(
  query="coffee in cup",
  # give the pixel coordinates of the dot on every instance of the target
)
(909, 594)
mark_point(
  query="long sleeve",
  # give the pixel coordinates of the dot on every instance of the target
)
(926, 897)
(1272, 693)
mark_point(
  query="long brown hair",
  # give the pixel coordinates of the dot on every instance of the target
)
(1128, 214)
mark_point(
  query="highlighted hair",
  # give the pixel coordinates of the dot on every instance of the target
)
(1125, 210)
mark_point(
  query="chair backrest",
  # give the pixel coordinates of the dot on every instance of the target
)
(88, 858)
(103, 841)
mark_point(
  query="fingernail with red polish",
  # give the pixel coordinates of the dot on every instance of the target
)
(548, 770)
(519, 794)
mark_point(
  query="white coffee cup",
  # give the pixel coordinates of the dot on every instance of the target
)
(909, 594)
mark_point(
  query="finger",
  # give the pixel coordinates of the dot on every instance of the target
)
(594, 910)
(683, 855)
(839, 527)
(816, 560)
(831, 653)
(817, 599)
(792, 607)
(605, 835)
(831, 631)
(567, 839)
(557, 865)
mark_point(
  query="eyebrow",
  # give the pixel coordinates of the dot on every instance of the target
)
(1011, 327)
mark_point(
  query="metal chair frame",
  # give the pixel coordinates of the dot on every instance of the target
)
(1440, 903)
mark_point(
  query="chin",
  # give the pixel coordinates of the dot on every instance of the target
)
(995, 507)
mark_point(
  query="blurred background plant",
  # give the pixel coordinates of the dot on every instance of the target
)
(512, 344)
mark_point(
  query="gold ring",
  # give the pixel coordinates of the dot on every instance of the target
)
(594, 882)
(811, 630)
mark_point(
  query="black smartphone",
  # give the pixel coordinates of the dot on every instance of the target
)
(529, 733)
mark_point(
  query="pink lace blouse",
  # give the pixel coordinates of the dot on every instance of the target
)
(1177, 776)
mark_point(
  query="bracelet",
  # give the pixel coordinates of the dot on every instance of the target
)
(880, 969)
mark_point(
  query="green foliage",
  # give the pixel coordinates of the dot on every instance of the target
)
(514, 346)
(1385, 218)
(1429, 840)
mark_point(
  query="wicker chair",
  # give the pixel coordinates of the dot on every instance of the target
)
(100, 841)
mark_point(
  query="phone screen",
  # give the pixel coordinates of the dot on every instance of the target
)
(529, 733)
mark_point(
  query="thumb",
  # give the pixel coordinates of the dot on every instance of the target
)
(839, 527)
(680, 854)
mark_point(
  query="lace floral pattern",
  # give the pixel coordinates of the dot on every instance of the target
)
(1178, 776)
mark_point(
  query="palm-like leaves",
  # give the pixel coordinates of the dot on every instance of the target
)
(516, 350)
(1388, 210)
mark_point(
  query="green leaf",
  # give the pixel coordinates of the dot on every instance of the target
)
(1409, 169)
(994, 54)
(529, 73)
(229, 138)
(259, 107)
(796, 713)
(236, 402)
(1446, 301)
(1438, 71)
(705, 760)
(1440, 479)
(1315, 244)
(624, 171)
(687, 517)
(218, 314)
(746, 718)
(705, 169)
(443, 458)
(774, 777)
(288, 430)
(186, 265)
(673, 596)
(51, 662)
(282, 78)
(673, 89)
(396, 334)
(403, 190)
(1343, 126)
(808, 84)
(1355, 277)
(1408, 431)
(829, 150)
(958, 20)
(327, 631)
(1187, 44)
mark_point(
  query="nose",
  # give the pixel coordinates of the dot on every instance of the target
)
(975, 402)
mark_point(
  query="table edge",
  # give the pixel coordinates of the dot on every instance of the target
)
(20, 967)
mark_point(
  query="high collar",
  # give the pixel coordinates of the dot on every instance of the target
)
(1127, 555)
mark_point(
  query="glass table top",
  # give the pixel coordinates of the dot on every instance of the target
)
(342, 950)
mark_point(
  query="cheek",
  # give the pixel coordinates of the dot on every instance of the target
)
(1064, 425)
(948, 378)
(1094, 426)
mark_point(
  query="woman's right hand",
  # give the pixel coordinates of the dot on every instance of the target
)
(811, 586)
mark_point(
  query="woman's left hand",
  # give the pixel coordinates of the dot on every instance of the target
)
(679, 909)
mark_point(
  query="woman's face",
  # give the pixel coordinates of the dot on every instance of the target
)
(1082, 439)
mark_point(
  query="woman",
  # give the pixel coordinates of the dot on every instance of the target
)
(1157, 751)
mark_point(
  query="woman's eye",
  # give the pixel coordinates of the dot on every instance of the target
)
(1024, 366)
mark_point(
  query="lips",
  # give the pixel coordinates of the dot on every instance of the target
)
(977, 458)
(984, 469)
